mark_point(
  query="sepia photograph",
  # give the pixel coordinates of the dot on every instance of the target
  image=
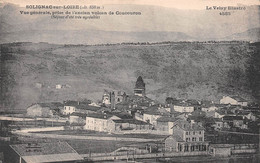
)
(174, 81)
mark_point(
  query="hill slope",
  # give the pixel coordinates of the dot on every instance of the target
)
(29, 71)
(249, 35)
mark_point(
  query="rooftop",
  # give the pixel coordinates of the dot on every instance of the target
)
(167, 119)
(131, 121)
(239, 99)
(100, 116)
(83, 115)
(176, 137)
(189, 126)
(231, 118)
(32, 149)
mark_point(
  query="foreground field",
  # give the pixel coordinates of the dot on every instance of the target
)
(85, 146)
(94, 133)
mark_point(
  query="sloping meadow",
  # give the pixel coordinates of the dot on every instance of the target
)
(30, 71)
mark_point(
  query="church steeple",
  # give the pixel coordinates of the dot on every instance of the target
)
(139, 89)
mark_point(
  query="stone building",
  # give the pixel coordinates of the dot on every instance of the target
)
(187, 137)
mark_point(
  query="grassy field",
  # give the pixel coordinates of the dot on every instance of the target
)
(94, 133)
(83, 146)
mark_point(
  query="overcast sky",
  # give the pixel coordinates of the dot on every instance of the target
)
(189, 17)
(179, 4)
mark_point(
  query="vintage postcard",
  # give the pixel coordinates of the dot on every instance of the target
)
(129, 81)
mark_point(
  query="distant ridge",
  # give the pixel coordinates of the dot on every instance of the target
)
(249, 35)
(92, 37)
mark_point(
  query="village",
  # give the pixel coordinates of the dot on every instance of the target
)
(178, 127)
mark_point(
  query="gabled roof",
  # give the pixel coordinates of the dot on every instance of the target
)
(87, 107)
(154, 110)
(239, 99)
(71, 103)
(81, 106)
(45, 149)
(217, 120)
(75, 103)
(167, 119)
(64, 157)
(123, 115)
(131, 121)
(186, 104)
(231, 118)
(176, 137)
(83, 115)
(100, 116)
(186, 126)
(221, 105)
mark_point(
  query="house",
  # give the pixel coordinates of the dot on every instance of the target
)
(235, 121)
(139, 114)
(233, 100)
(77, 118)
(208, 108)
(77, 106)
(38, 85)
(99, 122)
(187, 137)
(59, 86)
(165, 124)
(153, 113)
(44, 109)
(183, 106)
(127, 124)
(42, 152)
(122, 115)
(70, 107)
(219, 114)
(220, 150)
(220, 124)
(248, 115)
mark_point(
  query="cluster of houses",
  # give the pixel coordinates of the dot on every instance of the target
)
(183, 121)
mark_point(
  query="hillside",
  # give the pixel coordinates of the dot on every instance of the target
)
(249, 35)
(86, 37)
(30, 71)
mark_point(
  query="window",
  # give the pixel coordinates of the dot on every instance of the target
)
(200, 132)
(193, 132)
(187, 133)
(187, 139)
(193, 139)
(200, 139)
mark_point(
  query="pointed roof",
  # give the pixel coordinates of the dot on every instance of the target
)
(139, 83)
